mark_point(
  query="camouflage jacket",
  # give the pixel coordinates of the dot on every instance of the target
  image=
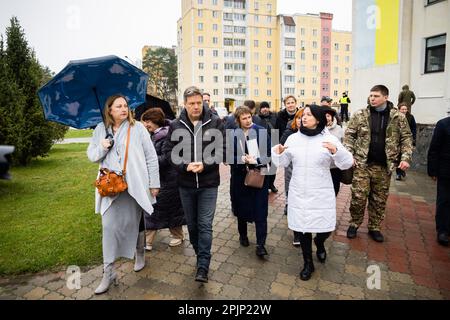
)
(399, 141)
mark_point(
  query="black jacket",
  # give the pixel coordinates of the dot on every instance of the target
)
(186, 150)
(282, 120)
(378, 125)
(439, 153)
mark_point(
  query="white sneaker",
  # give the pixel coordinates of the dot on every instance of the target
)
(175, 242)
(148, 247)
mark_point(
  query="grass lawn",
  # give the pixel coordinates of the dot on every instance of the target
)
(47, 218)
(72, 133)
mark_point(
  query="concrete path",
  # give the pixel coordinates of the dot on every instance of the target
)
(410, 263)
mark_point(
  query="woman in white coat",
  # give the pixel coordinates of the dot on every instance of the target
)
(312, 202)
(122, 215)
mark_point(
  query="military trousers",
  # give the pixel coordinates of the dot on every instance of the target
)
(370, 184)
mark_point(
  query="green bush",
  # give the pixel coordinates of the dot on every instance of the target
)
(22, 122)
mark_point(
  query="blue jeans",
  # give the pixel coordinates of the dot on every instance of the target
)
(199, 207)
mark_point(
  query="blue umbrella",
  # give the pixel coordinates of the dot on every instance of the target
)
(76, 96)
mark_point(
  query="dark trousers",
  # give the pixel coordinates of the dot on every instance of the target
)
(344, 113)
(306, 241)
(199, 207)
(271, 180)
(443, 207)
(336, 175)
(261, 231)
(400, 172)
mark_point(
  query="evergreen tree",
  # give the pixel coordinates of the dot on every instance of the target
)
(23, 69)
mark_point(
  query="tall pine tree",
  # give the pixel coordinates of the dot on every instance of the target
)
(36, 134)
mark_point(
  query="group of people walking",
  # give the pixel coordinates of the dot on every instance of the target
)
(173, 173)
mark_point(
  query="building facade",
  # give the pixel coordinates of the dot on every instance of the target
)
(241, 49)
(400, 42)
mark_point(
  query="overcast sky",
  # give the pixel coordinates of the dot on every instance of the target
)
(64, 30)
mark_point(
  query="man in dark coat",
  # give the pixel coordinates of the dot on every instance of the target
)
(439, 170)
(286, 114)
(268, 121)
(198, 171)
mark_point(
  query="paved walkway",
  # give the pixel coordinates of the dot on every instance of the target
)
(74, 140)
(412, 265)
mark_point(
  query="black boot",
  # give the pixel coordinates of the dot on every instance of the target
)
(321, 253)
(308, 268)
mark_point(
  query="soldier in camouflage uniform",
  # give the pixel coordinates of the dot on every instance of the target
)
(380, 140)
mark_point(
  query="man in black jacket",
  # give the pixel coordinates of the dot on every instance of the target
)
(287, 114)
(439, 169)
(196, 147)
(268, 120)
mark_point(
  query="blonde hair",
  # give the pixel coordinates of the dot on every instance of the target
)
(108, 119)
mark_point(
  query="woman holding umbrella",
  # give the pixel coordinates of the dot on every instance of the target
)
(122, 214)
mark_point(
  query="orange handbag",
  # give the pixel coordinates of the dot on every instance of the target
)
(109, 183)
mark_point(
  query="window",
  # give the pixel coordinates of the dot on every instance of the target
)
(256, 80)
(314, 56)
(314, 80)
(315, 44)
(301, 80)
(227, 42)
(269, 19)
(256, 92)
(435, 54)
(302, 56)
(239, 66)
(289, 54)
(302, 68)
(200, 53)
(314, 93)
(430, 2)
(269, 68)
(314, 68)
(215, 27)
(336, 58)
(269, 44)
(256, 31)
(314, 32)
(256, 43)
(347, 83)
(256, 5)
(256, 18)
(289, 91)
(269, 80)
(347, 47)
(200, 39)
(269, 7)
(228, 79)
(216, 79)
(201, 79)
(214, 2)
(215, 40)
(239, 42)
(289, 42)
(256, 55)
(290, 66)
(302, 31)
(289, 79)
(215, 14)
(302, 93)
(269, 32)
(200, 1)
(269, 56)
(215, 53)
(290, 29)
(336, 46)
(336, 69)
(336, 94)
(200, 13)
(200, 26)
(347, 59)
(216, 66)
(336, 81)
(201, 66)
(256, 68)
(269, 93)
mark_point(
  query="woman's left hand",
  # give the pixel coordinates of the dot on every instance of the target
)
(250, 160)
(154, 192)
(331, 147)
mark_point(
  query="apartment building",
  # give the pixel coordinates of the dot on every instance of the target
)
(241, 49)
